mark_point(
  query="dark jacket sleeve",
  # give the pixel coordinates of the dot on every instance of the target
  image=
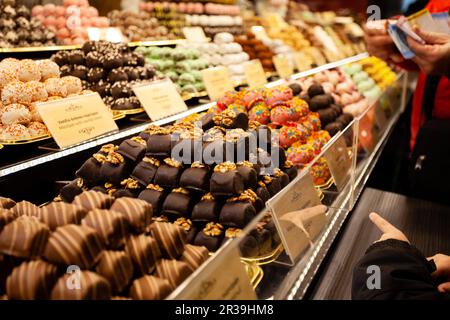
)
(404, 274)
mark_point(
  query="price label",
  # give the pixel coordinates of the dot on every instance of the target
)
(160, 99)
(254, 74)
(217, 82)
(300, 195)
(339, 162)
(283, 66)
(303, 61)
(76, 119)
(108, 34)
(223, 278)
(194, 34)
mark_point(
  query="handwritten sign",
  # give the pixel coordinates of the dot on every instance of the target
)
(222, 278)
(160, 99)
(108, 34)
(339, 162)
(217, 82)
(194, 34)
(254, 74)
(283, 66)
(77, 119)
(303, 62)
(300, 195)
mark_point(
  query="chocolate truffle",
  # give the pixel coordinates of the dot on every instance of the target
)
(117, 75)
(121, 89)
(93, 200)
(133, 149)
(345, 119)
(74, 245)
(94, 59)
(145, 171)
(138, 212)
(150, 288)
(210, 237)
(319, 102)
(112, 60)
(273, 184)
(93, 287)
(31, 280)
(284, 178)
(95, 74)
(171, 238)
(206, 210)
(75, 57)
(117, 268)
(226, 180)
(334, 127)
(196, 177)
(154, 195)
(296, 88)
(249, 174)
(177, 204)
(173, 271)
(168, 174)
(236, 213)
(58, 214)
(31, 242)
(72, 189)
(262, 192)
(326, 116)
(144, 252)
(315, 90)
(79, 72)
(90, 170)
(290, 170)
(159, 143)
(194, 256)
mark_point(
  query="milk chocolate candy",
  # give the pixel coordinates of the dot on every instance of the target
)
(25, 237)
(7, 265)
(144, 252)
(133, 149)
(230, 119)
(282, 176)
(188, 227)
(249, 174)
(115, 168)
(93, 200)
(74, 245)
(273, 184)
(121, 193)
(72, 189)
(194, 256)
(150, 288)
(171, 239)
(210, 237)
(6, 203)
(117, 268)
(155, 196)
(137, 212)
(226, 180)
(90, 170)
(32, 280)
(290, 170)
(25, 208)
(296, 88)
(58, 214)
(168, 174)
(208, 209)
(237, 214)
(6, 217)
(196, 178)
(110, 225)
(319, 102)
(91, 286)
(173, 271)
(326, 116)
(159, 143)
(145, 171)
(334, 127)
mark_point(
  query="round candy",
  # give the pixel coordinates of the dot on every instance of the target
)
(35, 116)
(280, 115)
(38, 91)
(318, 140)
(6, 76)
(299, 108)
(301, 155)
(314, 119)
(37, 129)
(73, 84)
(320, 172)
(28, 71)
(275, 97)
(15, 132)
(48, 69)
(15, 113)
(56, 87)
(288, 135)
(16, 92)
(260, 113)
(251, 97)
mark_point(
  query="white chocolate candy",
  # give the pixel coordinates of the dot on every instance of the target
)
(73, 84)
(28, 71)
(16, 92)
(15, 113)
(37, 129)
(15, 132)
(56, 87)
(38, 91)
(48, 69)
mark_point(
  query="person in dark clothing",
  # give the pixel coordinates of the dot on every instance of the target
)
(404, 273)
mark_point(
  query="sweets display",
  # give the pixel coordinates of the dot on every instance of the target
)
(19, 29)
(378, 70)
(181, 64)
(167, 14)
(109, 69)
(114, 246)
(256, 49)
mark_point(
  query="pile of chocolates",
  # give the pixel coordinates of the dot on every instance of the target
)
(167, 14)
(256, 49)
(94, 248)
(109, 69)
(18, 29)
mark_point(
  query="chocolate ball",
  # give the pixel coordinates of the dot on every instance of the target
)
(315, 90)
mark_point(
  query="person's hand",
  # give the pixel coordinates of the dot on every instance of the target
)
(389, 231)
(379, 42)
(433, 58)
(442, 270)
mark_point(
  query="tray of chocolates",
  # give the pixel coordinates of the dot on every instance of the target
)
(267, 258)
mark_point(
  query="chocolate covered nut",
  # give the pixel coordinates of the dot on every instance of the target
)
(194, 256)
(231, 119)
(159, 143)
(168, 174)
(207, 210)
(263, 238)
(114, 169)
(171, 239)
(138, 212)
(226, 180)
(177, 204)
(95, 74)
(91, 287)
(296, 88)
(290, 170)
(150, 288)
(25, 208)
(188, 228)
(173, 271)
(210, 237)
(145, 171)
(131, 189)
(262, 192)
(121, 89)
(110, 225)
(25, 237)
(72, 189)
(273, 184)
(90, 170)
(74, 245)
(237, 214)
(334, 127)
(93, 200)
(31, 280)
(196, 177)
(117, 268)
(58, 214)
(112, 60)
(284, 178)
(154, 195)
(144, 252)
(6, 203)
(249, 174)
(133, 149)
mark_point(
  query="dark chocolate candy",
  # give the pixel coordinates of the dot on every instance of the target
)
(90, 170)
(207, 121)
(345, 119)
(117, 268)
(237, 145)
(173, 271)
(58, 214)
(115, 169)
(290, 170)
(94, 59)
(249, 174)
(150, 288)
(336, 108)
(194, 256)
(112, 60)
(284, 178)
(74, 245)
(117, 75)
(103, 88)
(315, 90)
(123, 193)
(177, 204)
(263, 238)
(93, 287)
(326, 116)
(214, 152)
(159, 143)
(237, 214)
(187, 151)
(76, 57)
(138, 213)
(334, 127)
(168, 174)
(72, 189)
(319, 102)
(133, 149)
(188, 228)
(32, 280)
(231, 119)
(170, 237)
(93, 200)
(210, 237)
(263, 135)
(273, 184)
(154, 195)
(144, 252)
(208, 209)
(95, 74)
(296, 88)
(79, 72)
(121, 89)
(226, 180)
(196, 178)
